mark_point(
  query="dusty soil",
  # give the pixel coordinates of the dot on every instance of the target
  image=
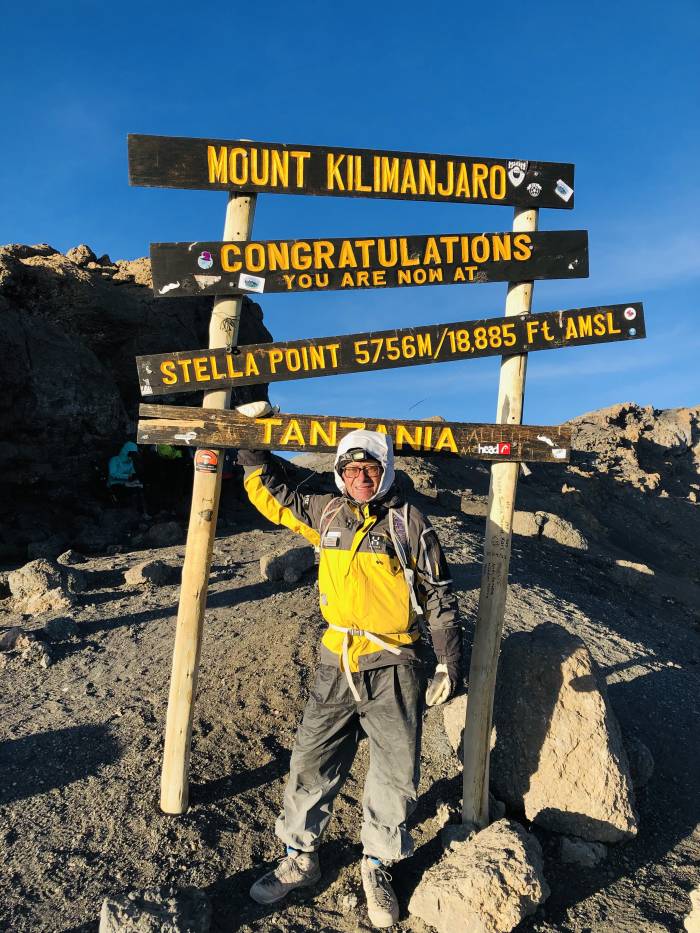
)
(81, 741)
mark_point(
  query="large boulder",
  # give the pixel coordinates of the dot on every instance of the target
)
(486, 884)
(559, 756)
(287, 563)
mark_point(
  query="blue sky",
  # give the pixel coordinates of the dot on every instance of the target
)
(611, 87)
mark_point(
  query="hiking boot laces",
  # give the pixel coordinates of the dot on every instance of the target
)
(382, 890)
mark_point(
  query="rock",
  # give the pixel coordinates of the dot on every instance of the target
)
(157, 911)
(81, 255)
(9, 637)
(579, 852)
(32, 651)
(560, 530)
(164, 534)
(56, 600)
(692, 922)
(60, 629)
(4, 584)
(559, 756)
(156, 572)
(631, 574)
(37, 577)
(454, 715)
(485, 884)
(287, 564)
(70, 558)
(641, 761)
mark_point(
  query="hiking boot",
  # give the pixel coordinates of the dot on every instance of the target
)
(382, 906)
(295, 870)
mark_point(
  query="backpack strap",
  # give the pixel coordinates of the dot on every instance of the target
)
(398, 531)
(329, 513)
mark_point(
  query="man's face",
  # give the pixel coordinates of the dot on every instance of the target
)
(362, 479)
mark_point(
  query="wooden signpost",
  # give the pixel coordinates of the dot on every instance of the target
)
(184, 269)
(187, 371)
(239, 264)
(196, 427)
(281, 168)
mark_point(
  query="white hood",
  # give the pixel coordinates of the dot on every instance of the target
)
(378, 446)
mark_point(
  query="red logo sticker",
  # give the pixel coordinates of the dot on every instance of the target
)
(504, 449)
(206, 461)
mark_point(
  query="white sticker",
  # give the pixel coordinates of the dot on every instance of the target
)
(206, 281)
(168, 288)
(563, 191)
(251, 283)
(630, 314)
(534, 190)
(559, 453)
(205, 260)
(545, 439)
(190, 436)
(516, 172)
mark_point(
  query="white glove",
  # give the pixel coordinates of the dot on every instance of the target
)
(440, 687)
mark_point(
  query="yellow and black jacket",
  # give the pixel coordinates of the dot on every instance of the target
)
(364, 596)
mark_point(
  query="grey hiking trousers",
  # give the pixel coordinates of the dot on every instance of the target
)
(390, 715)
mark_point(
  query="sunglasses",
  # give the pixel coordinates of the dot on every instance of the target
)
(353, 471)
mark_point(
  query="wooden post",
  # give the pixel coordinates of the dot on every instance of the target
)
(223, 328)
(494, 575)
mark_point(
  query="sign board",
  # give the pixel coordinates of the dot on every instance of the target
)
(185, 269)
(282, 168)
(201, 427)
(188, 371)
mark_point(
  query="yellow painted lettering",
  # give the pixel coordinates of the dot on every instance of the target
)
(288, 280)
(458, 276)
(378, 278)
(497, 182)
(585, 326)
(292, 433)
(227, 251)
(333, 350)
(167, 368)
(358, 176)
(425, 344)
(300, 255)
(611, 324)
(501, 246)
(279, 171)
(532, 327)
(448, 186)
(570, 329)
(462, 186)
(185, 367)
(238, 166)
(599, 325)
(408, 179)
(449, 242)
(446, 441)
(323, 254)
(347, 281)
(435, 275)
(480, 173)
(319, 435)
(390, 174)
(333, 178)
(426, 177)
(406, 259)
(268, 424)
(364, 246)
(255, 257)
(200, 369)
(277, 255)
(299, 157)
(481, 249)
(347, 256)
(275, 357)
(405, 438)
(218, 165)
(432, 253)
(382, 252)
(251, 366)
(259, 166)
(215, 369)
(403, 276)
(523, 246)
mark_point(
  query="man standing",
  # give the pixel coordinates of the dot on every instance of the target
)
(381, 571)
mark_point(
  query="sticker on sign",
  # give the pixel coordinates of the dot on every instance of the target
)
(251, 283)
(502, 449)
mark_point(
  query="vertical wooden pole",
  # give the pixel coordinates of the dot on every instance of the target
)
(174, 785)
(494, 574)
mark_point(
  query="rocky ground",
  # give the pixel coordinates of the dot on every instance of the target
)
(606, 547)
